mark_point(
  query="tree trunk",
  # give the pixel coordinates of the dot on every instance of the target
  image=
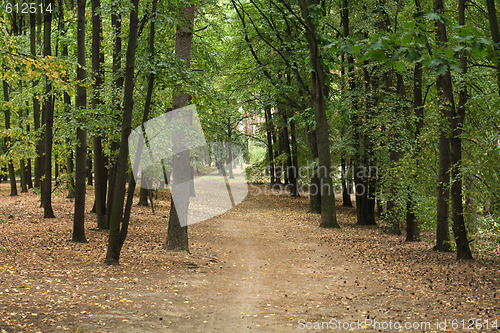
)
(177, 235)
(118, 85)
(328, 213)
(346, 186)
(314, 193)
(295, 160)
(97, 58)
(36, 102)
(116, 214)
(495, 34)
(22, 162)
(88, 171)
(412, 228)
(81, 135)
(269, 136)
(457, 211)
(145, 192)
(12, 174)
(447, 107)
(48, 109)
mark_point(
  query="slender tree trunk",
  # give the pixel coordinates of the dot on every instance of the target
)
(97, 57)
(412, 228)
(81, 134)
(457, 211)
(12, 175)
(118, 85)
(495, 34)
(346, 192)
(177, 235)
(36, 102)
(70, 180)
(314, 192)
(145, 189)
(88, 171)
(114, 248)
(445, 92)
(22, 162)
(287, 151)
(295, 160)
(269, 135)
(328, 213)
(48, 109)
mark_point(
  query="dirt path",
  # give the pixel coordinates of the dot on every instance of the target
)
(263, 267)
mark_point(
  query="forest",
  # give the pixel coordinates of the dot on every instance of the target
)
(338, 167)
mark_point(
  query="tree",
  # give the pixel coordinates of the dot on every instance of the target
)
(457, 122)
(177, 235)
(447, 108)
(495, 34)
(97, 60)
(12, 175)
(115, 227)
(48, 110)
(328, 214)
(81, 134)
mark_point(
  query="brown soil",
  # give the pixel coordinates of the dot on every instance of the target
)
(264, 266)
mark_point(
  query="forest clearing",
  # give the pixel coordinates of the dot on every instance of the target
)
(260, 267)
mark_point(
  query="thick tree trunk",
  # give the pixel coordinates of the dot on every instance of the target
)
(177, 235)
(99, 173)
(447, 107)
(81, 135)
(457, 211)
(328, 213)
(48, 109)
(114, 247)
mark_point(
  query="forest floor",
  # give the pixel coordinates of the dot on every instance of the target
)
(264, 266)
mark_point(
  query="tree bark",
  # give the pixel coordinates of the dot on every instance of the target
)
(97, 58)
(457, 211)
(447, 107)
(12, 175)
(114, 248)
(412, 228)
(495, 34)
(269, 136)
(81, 134)
(328, 213)
(118, 85)
(177, 235)
(145, 189)
(36, 102)
(346, 186)
(48, 109)
(295, 160)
